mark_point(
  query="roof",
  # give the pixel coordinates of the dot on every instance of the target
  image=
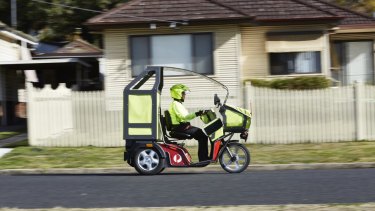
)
(159, 10)
(149, 11)
(350, 17)
(15, 34)
(76, 48)
(281, 10)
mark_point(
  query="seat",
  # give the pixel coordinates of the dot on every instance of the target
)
(168, 126)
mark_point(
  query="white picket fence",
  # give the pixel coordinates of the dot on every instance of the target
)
(327, 115)
(65, 118)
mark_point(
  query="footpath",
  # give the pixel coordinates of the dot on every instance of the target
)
(10, 140)
(13, 139)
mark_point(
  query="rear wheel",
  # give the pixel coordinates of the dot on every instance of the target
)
(235, 158)
(148, 161)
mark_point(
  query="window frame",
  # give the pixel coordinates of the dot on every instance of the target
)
(320, 71)
(192, 40)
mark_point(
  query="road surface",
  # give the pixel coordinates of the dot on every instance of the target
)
(188, 189)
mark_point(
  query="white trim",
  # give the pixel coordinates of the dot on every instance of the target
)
(14, 36)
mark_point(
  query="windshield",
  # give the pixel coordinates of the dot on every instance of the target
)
(202, 88)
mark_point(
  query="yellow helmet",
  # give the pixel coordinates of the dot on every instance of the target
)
(177, 90)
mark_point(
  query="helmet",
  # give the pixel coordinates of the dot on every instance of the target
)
(177, 90)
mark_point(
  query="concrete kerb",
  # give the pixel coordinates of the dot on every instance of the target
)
(129, 170)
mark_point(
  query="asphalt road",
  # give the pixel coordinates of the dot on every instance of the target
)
(185, 189)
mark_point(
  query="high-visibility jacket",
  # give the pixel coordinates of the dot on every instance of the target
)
(179, 113)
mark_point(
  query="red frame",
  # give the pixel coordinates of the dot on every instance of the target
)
(178, 156)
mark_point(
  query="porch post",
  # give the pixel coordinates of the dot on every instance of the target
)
(3, 99)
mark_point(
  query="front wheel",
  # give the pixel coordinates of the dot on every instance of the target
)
(148, 161)
(235, 158)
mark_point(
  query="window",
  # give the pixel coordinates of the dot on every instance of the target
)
(188, 51)
(295, 63)
(353, 61)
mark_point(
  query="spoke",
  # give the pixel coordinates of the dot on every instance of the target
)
(152, 153)
(237, 165)
(241, 158)
(155, 161)
(230, 152)
(149, 166)
(143, 154)
(142, 162)
(228, 163)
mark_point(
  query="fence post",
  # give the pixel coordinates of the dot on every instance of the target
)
(247, 95)
(358, 113)
(248, 98)
(30, 113)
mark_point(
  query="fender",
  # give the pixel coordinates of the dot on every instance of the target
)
(225, 145)
(160, 150)
(129, 156)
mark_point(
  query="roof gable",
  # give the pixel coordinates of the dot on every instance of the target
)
(148, 11)
(78, 46)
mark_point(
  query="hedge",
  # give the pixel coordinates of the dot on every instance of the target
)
(298, 83)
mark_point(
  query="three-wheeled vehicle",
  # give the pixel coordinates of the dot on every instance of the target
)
(151, 145)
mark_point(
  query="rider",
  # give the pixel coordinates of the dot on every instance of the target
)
(180, 117)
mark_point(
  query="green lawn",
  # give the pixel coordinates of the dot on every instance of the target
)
(4, 135)
(94, 157)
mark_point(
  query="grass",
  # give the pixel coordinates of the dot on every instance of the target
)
(343, 152)
(4, 135)
(95, 157)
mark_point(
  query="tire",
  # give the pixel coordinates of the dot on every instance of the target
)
(148, 161)
(238, 162)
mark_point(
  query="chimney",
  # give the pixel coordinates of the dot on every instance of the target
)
(77, 34)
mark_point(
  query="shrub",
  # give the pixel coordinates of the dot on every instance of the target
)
(298, 83)
(260, 83)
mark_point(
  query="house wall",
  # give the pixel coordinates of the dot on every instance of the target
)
(9, 51)
(254, 59)
(226, 65)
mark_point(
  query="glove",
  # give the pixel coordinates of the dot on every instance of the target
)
(199, 113)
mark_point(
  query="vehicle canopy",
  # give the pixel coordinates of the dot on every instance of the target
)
(142, 100)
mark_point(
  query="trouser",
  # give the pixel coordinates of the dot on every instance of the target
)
(199, 135)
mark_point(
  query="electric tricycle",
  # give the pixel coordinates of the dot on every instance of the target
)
(152, 145)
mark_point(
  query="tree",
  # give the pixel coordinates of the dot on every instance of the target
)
(364, 6)
(54, 23)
